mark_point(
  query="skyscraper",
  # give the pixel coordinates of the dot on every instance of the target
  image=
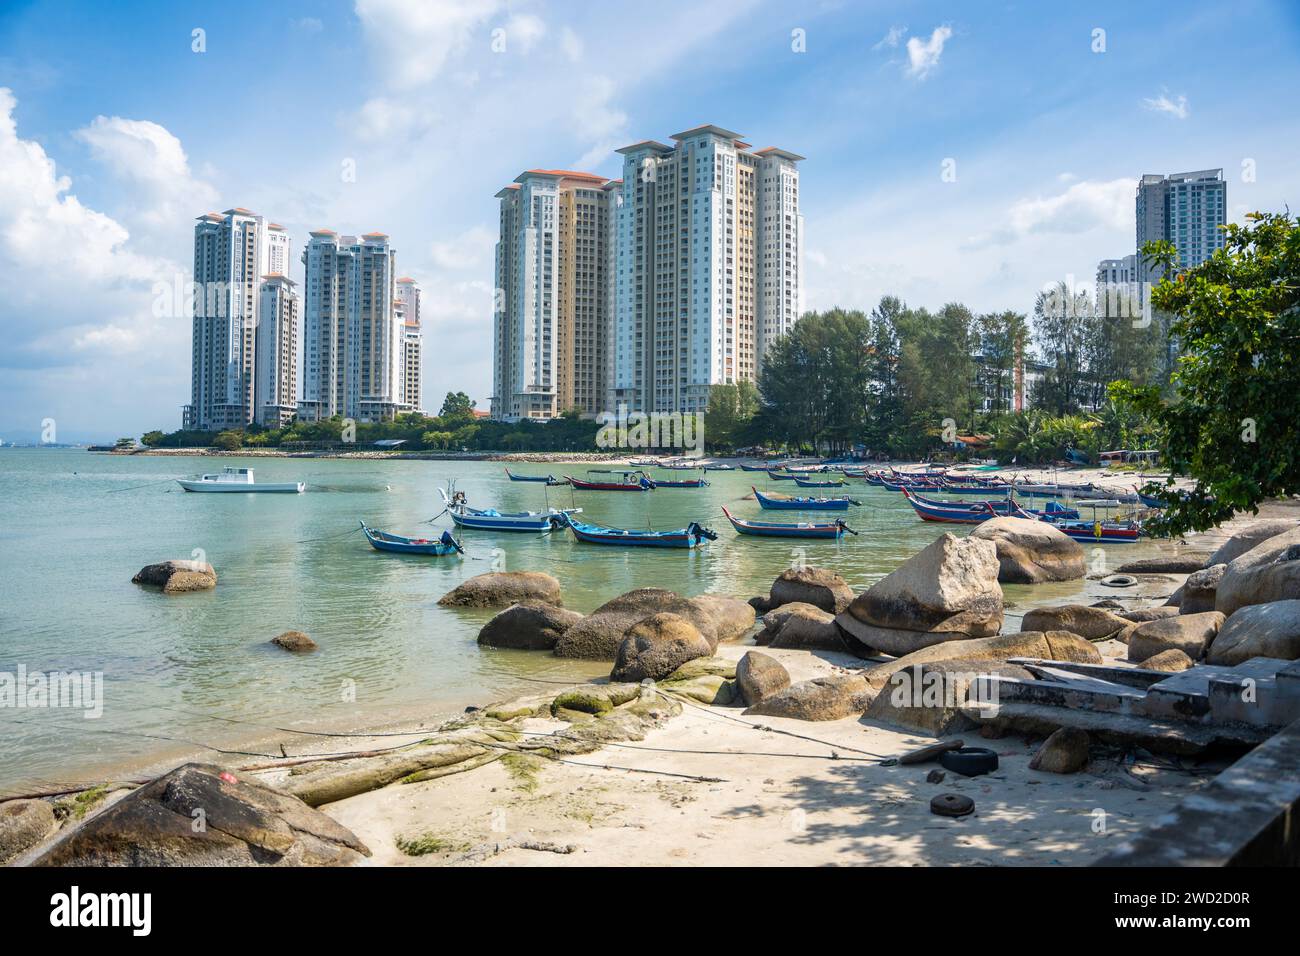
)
(276, 363)
(1185, 209)
(233, 251)
(551, 316)
(407, 307)
(353, 347)
(708, 273)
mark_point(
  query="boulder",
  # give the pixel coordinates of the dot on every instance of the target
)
(295, 641)
(816, 586)
(1170, 662)
(759, 676)
(704, 667)
(655, 647)
(244, 824)
(1046, 645)
(1092, 623)
(1258, 630)
(1200, 590)
(928, 698)
(775, 620)
(1176, 598)
(503, 588)
(598, 635)
(707, 689)
(23, 824)
(809, 628)
(1143, 614)
(528, 626)
(1254, 534)
(1165, 564)
(177, 577)
(1268, 572)
(946, 591)
(1189, 633)
(1065, 751)
(823, 698)
(1030, 552)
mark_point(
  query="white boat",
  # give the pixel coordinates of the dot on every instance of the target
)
(238, 480)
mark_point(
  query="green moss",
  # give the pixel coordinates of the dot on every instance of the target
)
(427, 843)
(85, 801)
(582, 702)
(523, 770)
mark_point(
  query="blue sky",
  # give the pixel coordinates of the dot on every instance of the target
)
(115, 134)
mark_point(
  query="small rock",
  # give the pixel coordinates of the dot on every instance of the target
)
(1091, 623)
(816, 586)
(1258, 630)
(503, 588)
(529, 625)
(1171, 661)
(823, 698)
(759, 676)
(935, 776)
(1031, 551)
(295, 641)
(177, 577)
(1065, 751)
(1165, 564)
(1190, 633)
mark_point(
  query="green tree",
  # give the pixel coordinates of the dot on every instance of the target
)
(229, 440)
(730, 414)
(456, 404)
(152, 439)
(1064, 324)
(1002, 337)
(1233, 421)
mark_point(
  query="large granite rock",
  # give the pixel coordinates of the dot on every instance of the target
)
(1189, 633)
(528, 626)
(503, 588)
(1065, 751)
(823, 698)
(775, 620)
(1143, 614)
(1268, 572)
(1165, 564)
(1093, 623)
(1200, 590)
(1030, 552)
(928, 698)
(598, 635)
(655, 647)
(23, 824)
(200, 815)
(1258, 630)
(1046, 645)
(759, 676)
(803, 627)
(1171, 661)
(816, 586)
(1253, 535)
(946, 591)
(177, 577)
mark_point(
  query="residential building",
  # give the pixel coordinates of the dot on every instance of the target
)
(353, 347)
(551, 319)
(708, 266)
(232, 251)
(1118, 290)
(276, 352)
(406, 304)
(1186, 209)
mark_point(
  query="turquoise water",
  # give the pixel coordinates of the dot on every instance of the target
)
(75, 526)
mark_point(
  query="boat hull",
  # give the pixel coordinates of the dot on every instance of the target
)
(800, 504)
(772, 529)
(618, 537)
(236, 488)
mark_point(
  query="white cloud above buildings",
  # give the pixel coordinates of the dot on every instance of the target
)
(923, 55)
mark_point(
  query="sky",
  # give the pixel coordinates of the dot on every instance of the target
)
(955, 151)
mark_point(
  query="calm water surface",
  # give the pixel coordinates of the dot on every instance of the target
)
(75, 526)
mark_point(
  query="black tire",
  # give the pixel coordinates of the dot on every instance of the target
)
(1119, 581)
(969, 761)
(952, 805)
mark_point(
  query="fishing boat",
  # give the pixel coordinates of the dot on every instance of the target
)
(549, 479)
(809, 483)
(632, 481)
(1003, 506)
(683, 483)
(489, 519)
(755, 468)
(239, 480)
(384, 541)
(1097, 530)
(719, 467)
(775, 501)
(775, 476)
(801, 529)
(976, 512)
(691, 536)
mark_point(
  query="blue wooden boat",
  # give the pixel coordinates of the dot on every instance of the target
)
(808, 483)
(755, 468)
(489, 519)
(779, 477)
(1098, 531)
(685, 483)
(691, 536)
(1003, 506)
(632, 481)
(384, 541)
(802, 529)
(719, 467)
(774, 501)
(549, 479)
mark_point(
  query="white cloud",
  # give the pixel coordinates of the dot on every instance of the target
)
(413, 39)
(392, 118)
(523, 31)
(891, 39)
(1176, 107)
(571, 45)
(472, 249)
(1081, 208)
(923, 55)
